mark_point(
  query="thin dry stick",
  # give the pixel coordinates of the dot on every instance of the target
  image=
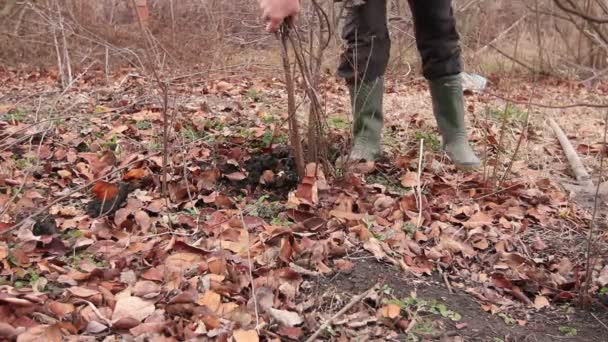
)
(80, 188)
(520, 140)
(590, 240)
(600, 322)
(419, 224)
(543, 105)
(165, 98)
(352, 303)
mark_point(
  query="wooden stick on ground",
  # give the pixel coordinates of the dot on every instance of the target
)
(576, 164)
(352, 303)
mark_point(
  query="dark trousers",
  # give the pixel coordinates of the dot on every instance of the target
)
(368, 43)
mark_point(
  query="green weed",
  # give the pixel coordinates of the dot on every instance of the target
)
(431, 140)
(339, 122)
(568, 331)
(511, 113)
(13, 116)
(145, 124)
(254, 95)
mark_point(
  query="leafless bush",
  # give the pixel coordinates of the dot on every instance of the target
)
(497, 36)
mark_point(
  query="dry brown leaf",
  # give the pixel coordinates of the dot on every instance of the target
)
(104, 190)
(146, 289)
(541, 302)
(143, 220)
(181, 262)
(210, 299)
(82, 291)
(134, 174)
(236, 176)
(3, 250)
(602, 280)
(47, 333)
(373, 246)
(241, 335)
(61, 309)
(285, 317)
(456, 246)
(217, 265)
(7, 331)
(409, 179)
(134, 307)
(479, 219)
(65, 174)
(391, 311)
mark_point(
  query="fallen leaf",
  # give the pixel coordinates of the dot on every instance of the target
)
(479, 219)
(541, 302)
(104, 190)
(7, 331)
(456, 246)
(344, 265)
(82, 291)
(241, 335)
(293, 333)
(65, 174)
(180, 262)
(134, 174)
(61, 309)
(146, 289)
(143, 220)
(391, 311)
(236, 176)
(409, 179)
(48, 333)
(373, 246)
(602, 280)
(95, 327)
(210, 299)
(133, 307)
(285, 317)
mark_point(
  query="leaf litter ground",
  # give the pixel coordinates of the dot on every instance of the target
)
(240, 250)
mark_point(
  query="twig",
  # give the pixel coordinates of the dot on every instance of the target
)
(590, 240)
(600, 322)
(82, 187)
(578, 13)
(253, 295)
(165, 100)
(412, 323)
(352, 303)
(502, 34)
(519, 141)
(419, 223)
(447, 282)
(542, 105)
(579, 170)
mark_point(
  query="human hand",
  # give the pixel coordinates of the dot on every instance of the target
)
(276, 11)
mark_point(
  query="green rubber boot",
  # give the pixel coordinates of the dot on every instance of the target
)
(366, 102)
(448, 107)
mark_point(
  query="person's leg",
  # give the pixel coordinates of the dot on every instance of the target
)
(363, 64)
(438, 44)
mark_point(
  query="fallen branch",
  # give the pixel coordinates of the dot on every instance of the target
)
(576, 164)
(591, 243)
(542, 105)
(352, 303)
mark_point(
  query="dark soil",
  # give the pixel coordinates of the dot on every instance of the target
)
(281, 165)
(480, 325)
